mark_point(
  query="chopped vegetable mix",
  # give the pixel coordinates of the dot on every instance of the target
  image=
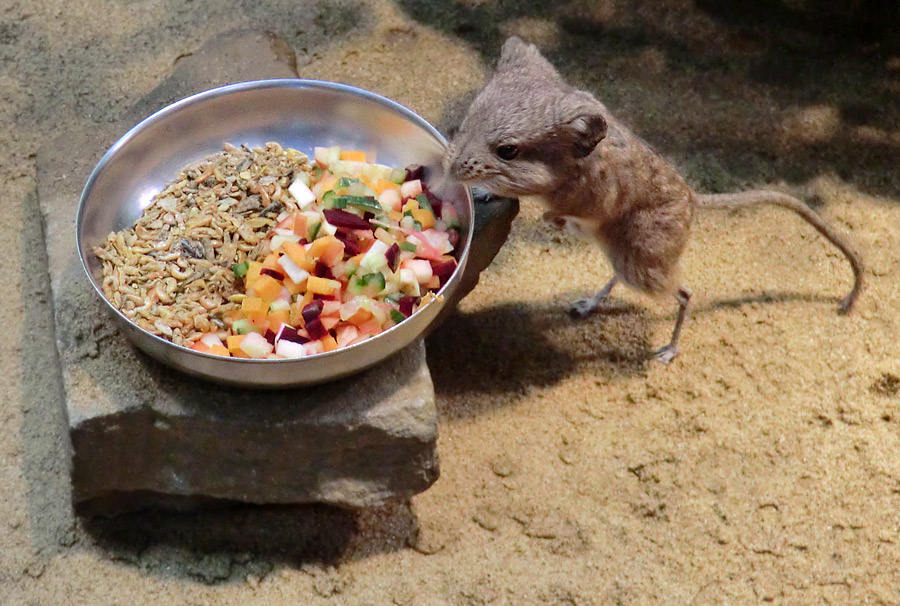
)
(368, 245)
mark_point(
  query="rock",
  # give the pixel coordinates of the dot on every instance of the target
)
(143, 435)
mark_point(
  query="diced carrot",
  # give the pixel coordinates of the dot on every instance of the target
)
(295, 288)
(201, 347)
(328, 343)
(359, 317)
(434, 283)
(271, 261)
(234, 346)
(252, 305)
(382, 184)
(277, 318)
(321, 286)
(266, 288)
(320, 246)
(353, 155)
(219, 350)
(300, 226)
(297, 253)
(411, 205)
(286, 223)
(252, 273)
(424, 216)
(395, 215)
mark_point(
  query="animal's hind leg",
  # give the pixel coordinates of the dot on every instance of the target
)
(585, 307)
(667, 353)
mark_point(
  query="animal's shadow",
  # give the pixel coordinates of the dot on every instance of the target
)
(518, 345)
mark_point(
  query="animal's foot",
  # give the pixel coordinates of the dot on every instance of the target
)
(582, 308)
(665, 354)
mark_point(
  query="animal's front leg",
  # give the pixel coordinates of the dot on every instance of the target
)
(585, 307)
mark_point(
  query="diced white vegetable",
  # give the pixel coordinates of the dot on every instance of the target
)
(390, 199)
(421, 268)
(302, 193)
(375, 259)
(296, 273)
(289, 349)
(411, 189)
(279, 239)
(409, 284)
(209, 339)
(279, 304)
(255, 345)
(328, 228)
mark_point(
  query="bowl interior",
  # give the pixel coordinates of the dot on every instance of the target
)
(300, 114)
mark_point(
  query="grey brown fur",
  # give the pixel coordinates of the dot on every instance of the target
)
(528, 133)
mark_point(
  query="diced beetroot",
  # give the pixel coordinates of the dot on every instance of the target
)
(444, 270)
(453, 237)
(415, 171)
(270, 337)
(311, 311)
(368, 216)
(406, 305)
(315, 329)
(323, 271)
(351, 248)
(289, 333)
(437, 204)
(341, 218)
(392, 254)
(271, 272)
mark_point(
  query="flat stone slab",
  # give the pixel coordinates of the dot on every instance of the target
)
(144, 435)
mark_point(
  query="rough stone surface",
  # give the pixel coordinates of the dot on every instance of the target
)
(145, 435)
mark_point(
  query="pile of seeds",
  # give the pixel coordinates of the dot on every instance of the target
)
(172, 272)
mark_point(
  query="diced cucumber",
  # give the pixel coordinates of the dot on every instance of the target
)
(240, 269)
(398, 175)
(396, 316)
(314, 230)
(346, 181)
(422, 199)
(408, 246)
(364, 202)
(243, 326)
(328, 199)
(393, 298)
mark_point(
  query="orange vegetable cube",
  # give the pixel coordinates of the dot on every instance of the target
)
(271, 262)
(300, 226)
(219, 350)
(327, 249)
(252, 273)
(251, 305)
(201, 347)
(395, 216)
(234, 346)
(295, 288)
(382, 184)
(328, 343)
(424, 216)
(411, 205)
(370, 327)
(266, 288)
(353, 155)
(321, 286)
(276, 318)
(297, 253)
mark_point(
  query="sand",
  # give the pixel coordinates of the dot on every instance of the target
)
(759, 467)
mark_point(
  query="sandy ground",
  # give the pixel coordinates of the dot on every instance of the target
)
(760, 467)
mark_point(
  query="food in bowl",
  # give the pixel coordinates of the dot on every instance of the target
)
(260, 253)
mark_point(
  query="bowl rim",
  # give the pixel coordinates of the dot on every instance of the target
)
(295, 83)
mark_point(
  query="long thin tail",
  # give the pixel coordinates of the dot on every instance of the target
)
(760, 197)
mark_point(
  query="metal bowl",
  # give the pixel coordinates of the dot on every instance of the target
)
(295, 113)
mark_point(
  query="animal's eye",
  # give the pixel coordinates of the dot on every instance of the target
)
(507, 152)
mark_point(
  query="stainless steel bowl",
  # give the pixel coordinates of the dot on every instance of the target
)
(295, 113)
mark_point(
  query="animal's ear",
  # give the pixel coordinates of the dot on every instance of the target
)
(585, 130)
(517, 54)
